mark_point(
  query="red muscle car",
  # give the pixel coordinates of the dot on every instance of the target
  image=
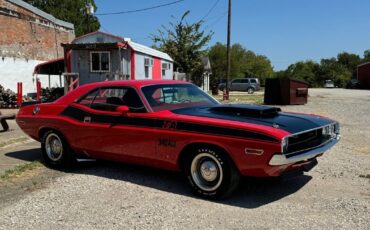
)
(174, 125)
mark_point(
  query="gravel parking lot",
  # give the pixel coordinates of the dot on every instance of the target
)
(335, 194)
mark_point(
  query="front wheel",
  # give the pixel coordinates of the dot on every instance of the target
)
(211, 173)
(55, 150)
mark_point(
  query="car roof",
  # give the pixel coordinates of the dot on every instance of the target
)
(136, 83)
(71, 96)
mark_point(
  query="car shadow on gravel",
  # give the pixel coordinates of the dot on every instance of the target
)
(252, 192)
(26, 155)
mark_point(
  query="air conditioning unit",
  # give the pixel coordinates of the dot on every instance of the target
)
(148, 62)
(165, 66)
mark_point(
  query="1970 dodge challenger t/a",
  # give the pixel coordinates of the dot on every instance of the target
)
(174, 125)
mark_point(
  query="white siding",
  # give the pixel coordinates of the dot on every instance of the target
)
(139, 67)
(169, 72)
(20, 70)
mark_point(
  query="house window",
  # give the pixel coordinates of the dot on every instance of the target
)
(148, 62)
(100, 61)
(165, 66)
(146, 69)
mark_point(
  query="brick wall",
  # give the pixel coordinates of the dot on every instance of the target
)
(24, 34)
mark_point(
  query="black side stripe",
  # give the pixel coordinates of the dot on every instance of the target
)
(79, 115)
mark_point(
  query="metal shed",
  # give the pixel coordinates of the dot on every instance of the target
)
(285, 91)
(100, 56)
(363, 75)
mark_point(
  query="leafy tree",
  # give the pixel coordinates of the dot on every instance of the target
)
(304, 70)
(349, 61)
(244, 63)
(334, 70)
(73, 11)
(185, 43)
(366, 56)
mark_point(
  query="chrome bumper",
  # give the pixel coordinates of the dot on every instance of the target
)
(280, 159)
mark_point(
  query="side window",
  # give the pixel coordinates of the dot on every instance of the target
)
(245, 81)
(169, 95)
(253, 81)
(88, 99)
(100, 61)
(108, 99)
(237, 81)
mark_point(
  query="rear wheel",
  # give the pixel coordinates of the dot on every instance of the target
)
(211, 173)
(250, 90)
(55, 150)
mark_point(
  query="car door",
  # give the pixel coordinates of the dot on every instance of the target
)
(105, 133)
(235, 85)
(244, 85)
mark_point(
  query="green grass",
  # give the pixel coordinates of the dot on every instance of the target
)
(19, 169)
(13, 141)
(242, 99)
(365, 176)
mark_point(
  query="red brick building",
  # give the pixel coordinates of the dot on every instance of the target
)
(28, 36)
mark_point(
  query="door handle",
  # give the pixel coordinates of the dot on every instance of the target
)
(87, 119)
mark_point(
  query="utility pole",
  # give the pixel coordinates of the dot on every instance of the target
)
(228, 53)
(89, 11)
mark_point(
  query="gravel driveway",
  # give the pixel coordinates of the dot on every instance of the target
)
(118, 196)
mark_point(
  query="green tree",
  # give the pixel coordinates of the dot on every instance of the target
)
(73, 11)
(244, 63)
(185, 43)
(333, 70)
(306, 71)
(366, 56)
(349, 61)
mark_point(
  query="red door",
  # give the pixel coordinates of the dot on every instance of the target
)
(105, 133)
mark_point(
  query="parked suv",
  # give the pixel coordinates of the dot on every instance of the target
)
(244, 84)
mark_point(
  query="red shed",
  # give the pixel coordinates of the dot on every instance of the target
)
(363, 74)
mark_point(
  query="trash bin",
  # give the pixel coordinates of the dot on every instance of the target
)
(285, 91)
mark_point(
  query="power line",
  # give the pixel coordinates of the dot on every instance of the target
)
(139, 10)
(210, 10)
(209, 26)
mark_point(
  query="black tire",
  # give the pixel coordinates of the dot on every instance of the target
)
(199, 168)
(250, 90)
(55, 150)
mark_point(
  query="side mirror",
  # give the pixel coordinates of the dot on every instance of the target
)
(123, 109)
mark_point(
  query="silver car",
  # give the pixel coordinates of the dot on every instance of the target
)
(244, 84)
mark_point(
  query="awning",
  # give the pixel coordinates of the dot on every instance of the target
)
(52, 67)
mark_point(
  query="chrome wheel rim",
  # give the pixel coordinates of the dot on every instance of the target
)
(54, 147)
(206, 172)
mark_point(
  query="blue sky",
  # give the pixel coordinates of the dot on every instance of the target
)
(285, 31)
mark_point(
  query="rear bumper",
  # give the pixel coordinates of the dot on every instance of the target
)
(281, 159)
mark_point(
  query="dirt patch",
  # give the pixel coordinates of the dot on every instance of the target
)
(15, 186)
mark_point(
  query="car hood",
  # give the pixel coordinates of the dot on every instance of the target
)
(260, 115)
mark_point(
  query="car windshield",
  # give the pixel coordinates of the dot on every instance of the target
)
(176, 96)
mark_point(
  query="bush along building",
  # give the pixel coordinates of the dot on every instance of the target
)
(28, 36)
(99, 56)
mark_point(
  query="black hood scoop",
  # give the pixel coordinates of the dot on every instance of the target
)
(246, 110)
